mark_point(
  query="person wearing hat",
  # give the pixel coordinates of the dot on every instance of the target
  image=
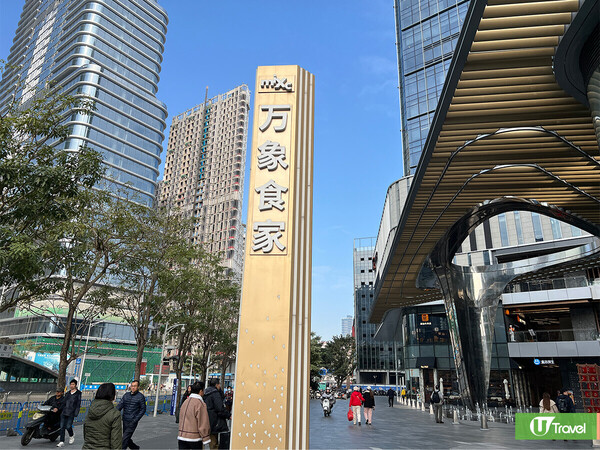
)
(356, 400)
(369, 403)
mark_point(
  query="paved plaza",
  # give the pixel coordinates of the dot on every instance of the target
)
(398, 427)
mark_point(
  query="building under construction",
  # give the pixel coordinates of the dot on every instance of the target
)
(204, 172)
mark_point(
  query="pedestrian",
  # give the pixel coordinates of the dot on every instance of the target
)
(547, 405)
(194, 424)
(229, 399)
(133, 405)
(69, 412)
(437, 400)
(564, 403)
(369, 402)
(103, 427)
(56, 403)
(217, 413)
(356, 400)
(186, 394)
(391, 394)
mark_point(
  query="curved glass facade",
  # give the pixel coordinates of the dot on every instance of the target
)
(111, 51)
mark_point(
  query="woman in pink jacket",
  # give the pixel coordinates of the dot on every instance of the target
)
(194, 426)
(356, 399)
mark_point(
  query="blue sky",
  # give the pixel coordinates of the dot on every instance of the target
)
(349, 45)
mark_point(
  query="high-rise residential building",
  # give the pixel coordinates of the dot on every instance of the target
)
(111, 51)
(204, 172)
(427, 32)
(347, 325)
(376, 360)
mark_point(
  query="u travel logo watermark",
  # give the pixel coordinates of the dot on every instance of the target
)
(557, 426)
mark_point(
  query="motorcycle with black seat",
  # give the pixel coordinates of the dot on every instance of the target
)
(45, 424)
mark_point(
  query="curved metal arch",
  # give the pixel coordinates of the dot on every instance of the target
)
(585, 225)
(472, 293)
(447, 246)
(539, 129)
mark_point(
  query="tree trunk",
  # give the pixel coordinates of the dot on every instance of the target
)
(64, 351)
(224, 365)
(182, 351)
(178, 370)
(141, 344)
(204, 365)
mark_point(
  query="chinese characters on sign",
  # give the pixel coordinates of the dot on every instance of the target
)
(272, 158)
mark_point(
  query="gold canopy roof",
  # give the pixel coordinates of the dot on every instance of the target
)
(503, 127)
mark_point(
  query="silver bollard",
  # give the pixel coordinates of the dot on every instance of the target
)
(431, 409)
(484, 423)
(455, 417)
(422, 406)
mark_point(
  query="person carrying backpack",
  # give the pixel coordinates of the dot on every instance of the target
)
(564, 402)
(437, 400)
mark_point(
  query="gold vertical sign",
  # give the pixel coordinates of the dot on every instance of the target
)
(271, 401)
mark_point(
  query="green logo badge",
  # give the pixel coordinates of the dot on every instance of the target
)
(557, 426)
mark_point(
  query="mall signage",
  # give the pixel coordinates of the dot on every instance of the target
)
(573, 426)
(271, 400)
(543, 362)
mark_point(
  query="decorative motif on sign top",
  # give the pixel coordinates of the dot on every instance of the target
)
(277, 84)
(268, 234)
(275, 112)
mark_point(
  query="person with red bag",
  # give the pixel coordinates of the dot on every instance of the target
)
(356, 400)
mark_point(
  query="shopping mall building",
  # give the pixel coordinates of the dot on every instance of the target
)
(487, 264)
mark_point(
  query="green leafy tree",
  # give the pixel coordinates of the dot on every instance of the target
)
(199, 294)
(187, 303)
(340, 357)
(160, 244)
(42, 187)
(216, 338)
(227, 321)
(92, 247)
(316, 359)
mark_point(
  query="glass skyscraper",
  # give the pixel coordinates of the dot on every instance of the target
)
(376, 360)
(427, 32)
(111, 51)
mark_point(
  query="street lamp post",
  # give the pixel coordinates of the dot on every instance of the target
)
(87, 340)
(161, 363)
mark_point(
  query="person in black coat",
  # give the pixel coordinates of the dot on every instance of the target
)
(186, 394)
(133, 405)
(70, 411)
(391, 394)
(57, 403)
(564, 402)
(217, 413)
(369, 405)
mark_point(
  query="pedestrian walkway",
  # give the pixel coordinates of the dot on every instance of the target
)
(398, 427)
(404, 427)
(151, 433)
